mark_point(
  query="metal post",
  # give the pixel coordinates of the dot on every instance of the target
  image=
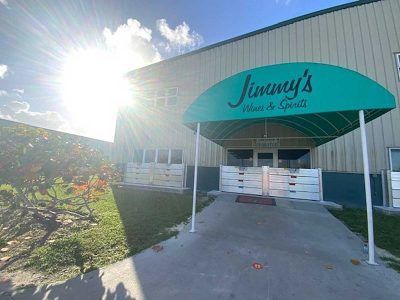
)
(384, 188)
(367, 183)
(321, 189)
(195, 177)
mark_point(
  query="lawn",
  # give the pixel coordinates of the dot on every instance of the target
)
(386, 230)
(127, 221)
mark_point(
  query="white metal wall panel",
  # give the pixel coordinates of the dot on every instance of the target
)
(138, 173)
(363, 38)
(295, 179)
(278, 182)
(298, 187)
(167, 175)
(241, 180)
(395, 188)
(294, 183)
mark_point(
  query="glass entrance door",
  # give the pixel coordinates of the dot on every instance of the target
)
(240, 158)
(294, 158)
(265, 159)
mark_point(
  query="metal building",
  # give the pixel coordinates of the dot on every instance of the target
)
(362, 36)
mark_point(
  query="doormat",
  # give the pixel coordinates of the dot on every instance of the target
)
(255, 200)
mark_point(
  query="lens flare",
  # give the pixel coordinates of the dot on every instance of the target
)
(92, 89)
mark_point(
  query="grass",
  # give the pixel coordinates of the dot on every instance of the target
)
(127, 221)
(386, 230)
(393, 263)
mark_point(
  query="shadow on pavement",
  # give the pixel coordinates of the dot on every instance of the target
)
(88, 286)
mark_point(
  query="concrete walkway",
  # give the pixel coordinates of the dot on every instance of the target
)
(305, 251)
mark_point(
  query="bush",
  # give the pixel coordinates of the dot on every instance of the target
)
(50, 173)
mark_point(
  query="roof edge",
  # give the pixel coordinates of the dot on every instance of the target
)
(264, 29)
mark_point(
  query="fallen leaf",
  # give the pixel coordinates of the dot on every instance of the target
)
(5, 258)
(6, 228)
(27, 238)
(157, 248)
(355, 261)
(51, 241)
(257, 266)
(10, 243)
(329, 267)
(93, 224)
(4, 249)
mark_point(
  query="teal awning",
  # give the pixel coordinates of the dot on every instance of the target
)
(319, 100)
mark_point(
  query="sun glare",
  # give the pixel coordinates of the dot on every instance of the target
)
(93, 88)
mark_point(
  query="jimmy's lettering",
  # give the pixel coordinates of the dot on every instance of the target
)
(252, 108)
(290, 88)
(270, 106)
(287, 104)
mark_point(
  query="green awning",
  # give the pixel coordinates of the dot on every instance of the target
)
(319, 100)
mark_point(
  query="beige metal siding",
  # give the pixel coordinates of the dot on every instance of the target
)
(363, 38)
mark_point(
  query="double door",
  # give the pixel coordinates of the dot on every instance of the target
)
(265, 158)
(270, 157)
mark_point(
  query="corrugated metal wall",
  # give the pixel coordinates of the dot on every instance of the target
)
(362, 38)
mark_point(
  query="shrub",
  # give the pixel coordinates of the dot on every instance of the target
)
(51, 173)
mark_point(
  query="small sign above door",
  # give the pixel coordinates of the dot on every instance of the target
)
(266, 143)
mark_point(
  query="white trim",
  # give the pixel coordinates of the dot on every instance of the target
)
(390, 157)
(321, 188)
(169, 157)
(144, 156)
(397, 57)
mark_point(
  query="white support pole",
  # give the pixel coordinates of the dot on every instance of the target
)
(367, 183)
(195, 177)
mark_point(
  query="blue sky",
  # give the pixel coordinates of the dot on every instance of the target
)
(39, 41)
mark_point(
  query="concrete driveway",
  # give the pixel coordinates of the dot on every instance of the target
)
(305, 251)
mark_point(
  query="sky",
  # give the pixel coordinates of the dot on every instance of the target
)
(62, 61)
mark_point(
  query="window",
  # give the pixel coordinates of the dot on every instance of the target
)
(172, 97)
(265, 159)
(240, 158)
(149, 156)
(294, 159)
(176, 156)
(138, 155)
(397, 56)
(162, 97)
(394, 157)
(162, 157)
